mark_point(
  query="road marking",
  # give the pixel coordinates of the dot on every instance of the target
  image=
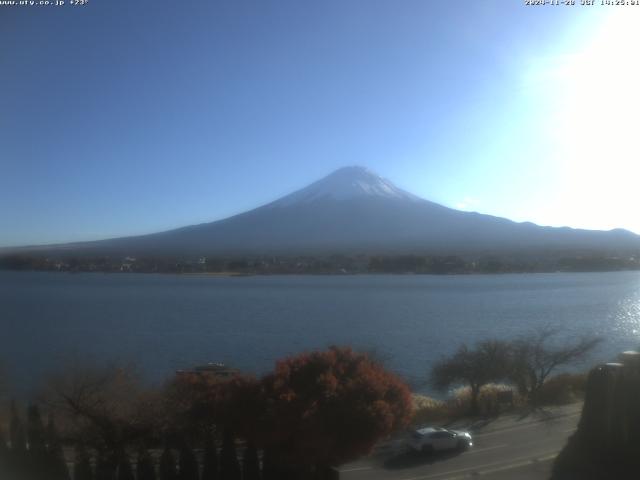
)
(517, 465)
(478, 450)
(521, 461)
(519, 427)
(355, 469)
(473, 450)
(504, 468)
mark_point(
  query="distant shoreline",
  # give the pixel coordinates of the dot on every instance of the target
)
(338, 264)
(212, 274)
(319, 274)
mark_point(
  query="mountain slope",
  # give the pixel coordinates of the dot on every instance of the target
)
(355, 210)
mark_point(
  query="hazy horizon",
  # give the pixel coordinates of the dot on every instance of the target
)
(124, 119)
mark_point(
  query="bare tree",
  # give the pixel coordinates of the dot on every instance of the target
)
(103, 406)
(534, 357)
(487, 362)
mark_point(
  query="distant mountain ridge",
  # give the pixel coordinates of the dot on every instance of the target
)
(353, 210)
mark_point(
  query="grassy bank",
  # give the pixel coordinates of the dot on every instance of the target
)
(562, 389)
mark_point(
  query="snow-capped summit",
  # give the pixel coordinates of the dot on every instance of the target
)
(346, 183)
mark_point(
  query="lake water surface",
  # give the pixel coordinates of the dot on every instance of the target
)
(167, 322)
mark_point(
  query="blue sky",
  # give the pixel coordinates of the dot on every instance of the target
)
(120, 117)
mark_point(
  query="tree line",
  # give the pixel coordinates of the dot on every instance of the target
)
(329, 264)
(314, 411)
(525, 362)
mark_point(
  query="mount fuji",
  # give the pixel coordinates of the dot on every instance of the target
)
(353, 210)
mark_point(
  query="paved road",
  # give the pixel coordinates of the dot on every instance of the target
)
(521, 448)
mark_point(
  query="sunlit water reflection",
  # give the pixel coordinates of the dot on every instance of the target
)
(626, 319)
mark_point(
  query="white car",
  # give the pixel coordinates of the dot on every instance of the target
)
(434, 439)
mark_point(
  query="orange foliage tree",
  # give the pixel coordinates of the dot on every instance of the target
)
(316, 410)
(325, 408)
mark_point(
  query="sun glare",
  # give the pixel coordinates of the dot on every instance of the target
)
(596, 128)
